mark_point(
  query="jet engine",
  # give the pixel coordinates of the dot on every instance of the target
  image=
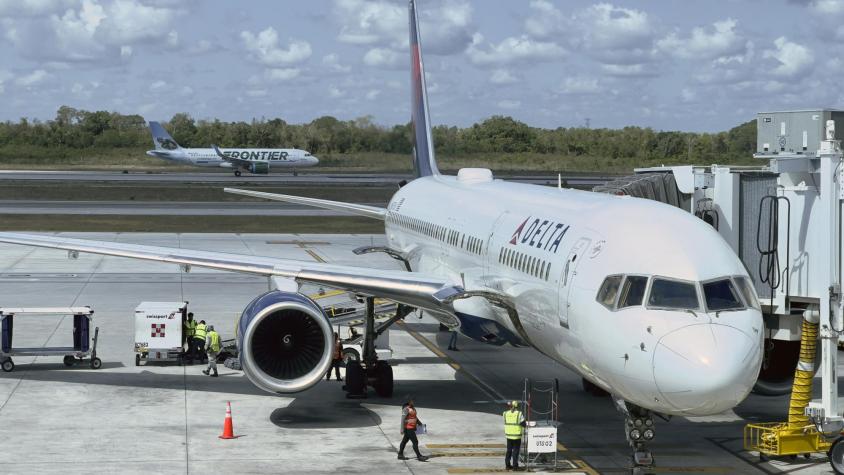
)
(285, 342)
(259, 168)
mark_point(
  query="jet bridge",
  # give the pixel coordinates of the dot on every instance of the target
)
(783, 220)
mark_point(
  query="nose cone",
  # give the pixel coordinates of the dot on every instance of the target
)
(706, 368)
(314, 160)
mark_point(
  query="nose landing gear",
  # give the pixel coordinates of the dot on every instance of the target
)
(639, 429)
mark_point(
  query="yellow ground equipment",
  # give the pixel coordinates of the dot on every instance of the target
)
(799, 435)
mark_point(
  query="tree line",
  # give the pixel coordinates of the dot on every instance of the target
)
(79, 129)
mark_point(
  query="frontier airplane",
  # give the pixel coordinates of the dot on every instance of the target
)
(254, 160)
(640, 299)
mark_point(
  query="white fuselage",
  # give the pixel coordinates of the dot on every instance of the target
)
(207, 157)
(550, 251)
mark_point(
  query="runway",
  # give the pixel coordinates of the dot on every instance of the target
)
(166, 419)
(164, 208)
(360, 179)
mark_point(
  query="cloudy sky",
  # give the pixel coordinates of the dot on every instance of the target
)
(667, 64)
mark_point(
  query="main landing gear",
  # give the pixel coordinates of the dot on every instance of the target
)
(370, 371)
(639, 429)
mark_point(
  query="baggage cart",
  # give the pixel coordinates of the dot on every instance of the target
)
(159, 332)
(84, 345)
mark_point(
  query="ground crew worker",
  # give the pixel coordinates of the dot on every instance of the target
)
(199, 334)
(336, 360)
(452, 342)
(212, 343)
(514, 424)
(187, 334)
(409, 422)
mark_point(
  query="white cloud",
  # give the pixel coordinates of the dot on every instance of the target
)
(827, 7)
(32, 78)
(509, 104)
(201, 47)
(514, 50)
(332, 62)
(158, 86)
(629, 70)
(264, 48)
(546, 20)
(614, 35)
(373, 94)
(282, 74)
(186, 91)
(580, 85)
(792, 59)
(381, 57)
(503, 76)
(4, 76)
(86, 30)
(30, 8)
(335, 93)
(720, 40)
(446, 25)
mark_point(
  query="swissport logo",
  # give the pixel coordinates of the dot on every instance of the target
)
(540, 233)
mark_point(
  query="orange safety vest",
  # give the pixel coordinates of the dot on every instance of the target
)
(410, 420)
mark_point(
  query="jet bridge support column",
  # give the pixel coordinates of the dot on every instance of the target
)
(830, 306)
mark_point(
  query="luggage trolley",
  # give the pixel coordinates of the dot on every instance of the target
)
(84, 346)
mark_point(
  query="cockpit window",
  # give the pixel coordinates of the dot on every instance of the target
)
(721, 295)
(609, 290)
(633, 291)
(673, 294)
(748, 292)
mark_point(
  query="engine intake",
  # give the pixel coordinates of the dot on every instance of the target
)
(285, 342)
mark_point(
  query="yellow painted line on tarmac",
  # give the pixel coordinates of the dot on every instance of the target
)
(314, 255)
(466, 446)
(467, 454)
(659, 469)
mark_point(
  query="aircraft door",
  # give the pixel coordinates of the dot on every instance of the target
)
(576, 254)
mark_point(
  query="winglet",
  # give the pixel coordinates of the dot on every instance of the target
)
(219, 152)
(423, 142)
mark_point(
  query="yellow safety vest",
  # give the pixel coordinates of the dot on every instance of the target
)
(200, 331)
(215, 341)
(513, 424)
(190, 328)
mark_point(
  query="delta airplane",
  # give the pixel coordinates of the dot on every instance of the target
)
(254, 160)
(640, 299)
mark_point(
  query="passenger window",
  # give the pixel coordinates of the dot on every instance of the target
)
(721, 295)
(633, 291)
(673, 294)
(609, 290)
(748, 292)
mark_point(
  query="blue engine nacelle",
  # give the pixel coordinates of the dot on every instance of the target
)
(259, 168)
(285, 342)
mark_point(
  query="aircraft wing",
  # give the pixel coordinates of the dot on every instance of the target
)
(361, 210)
(236, 161)
(417, 290)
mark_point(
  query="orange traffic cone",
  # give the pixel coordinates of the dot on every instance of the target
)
(228, 427)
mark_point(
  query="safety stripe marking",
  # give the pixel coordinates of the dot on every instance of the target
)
(314, 255)
(466, 446)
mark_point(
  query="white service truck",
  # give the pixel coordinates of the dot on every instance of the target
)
(158, 331)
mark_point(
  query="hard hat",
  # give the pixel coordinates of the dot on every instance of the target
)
(515, 404)
(210, 327)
